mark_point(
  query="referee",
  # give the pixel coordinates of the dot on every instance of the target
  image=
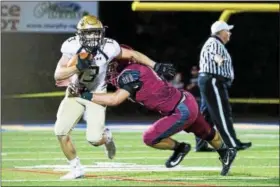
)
(215, 77)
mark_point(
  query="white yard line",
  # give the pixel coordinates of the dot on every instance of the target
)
(133, 158)
(276, 144)
(126, 167)
(267, 145)
(135, 127)
(133, 167)
(262, 136)
(221, 178)
(119, 152)
(25, 180)
(169, 179)
(83, 140)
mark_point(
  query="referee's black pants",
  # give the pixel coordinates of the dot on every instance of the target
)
(215, 106)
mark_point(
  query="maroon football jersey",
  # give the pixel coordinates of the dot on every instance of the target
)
(155, 94)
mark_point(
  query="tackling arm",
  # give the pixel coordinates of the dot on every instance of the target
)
(129, 84)
(136, 56)
(110, 99)
(165, 71)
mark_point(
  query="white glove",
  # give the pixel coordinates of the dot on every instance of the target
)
(218, 59)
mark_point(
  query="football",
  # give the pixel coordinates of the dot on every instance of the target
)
(73, 61)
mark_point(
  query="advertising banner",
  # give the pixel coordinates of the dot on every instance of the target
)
(44, 16)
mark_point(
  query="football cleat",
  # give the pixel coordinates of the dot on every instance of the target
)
(110, 147)
(227, 160)
(178, 155)
(243, 146)
(75, 173)
(205, 149)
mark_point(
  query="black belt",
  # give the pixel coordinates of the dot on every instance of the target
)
(219, 77)
(182, 98)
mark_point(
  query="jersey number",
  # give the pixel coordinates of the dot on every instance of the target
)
(72, 38)
(89, 75)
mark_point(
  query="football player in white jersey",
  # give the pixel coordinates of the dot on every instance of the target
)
(89, 73)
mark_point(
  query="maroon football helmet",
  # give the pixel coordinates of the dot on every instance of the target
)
(115, 67)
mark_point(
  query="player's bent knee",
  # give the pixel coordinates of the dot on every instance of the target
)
(205, 133)
(60, 132)
(96, 144)
(62, 128)
(95, 141)
(62, 138)
(210, 134)
(148, 139)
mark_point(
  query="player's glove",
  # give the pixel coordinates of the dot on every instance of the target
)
(165, 71)
(75, 90)
(83, 63)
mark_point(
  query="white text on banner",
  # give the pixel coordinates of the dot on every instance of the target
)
(44, 16)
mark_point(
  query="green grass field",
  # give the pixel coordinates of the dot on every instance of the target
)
(34, 159)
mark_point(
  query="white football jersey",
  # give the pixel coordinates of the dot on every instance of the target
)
(94, 77)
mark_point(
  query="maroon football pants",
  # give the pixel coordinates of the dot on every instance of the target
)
(186, 117)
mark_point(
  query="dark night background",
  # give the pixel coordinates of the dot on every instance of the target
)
(29, 59)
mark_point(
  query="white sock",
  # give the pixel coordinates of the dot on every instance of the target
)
(75, 162)
(107, 135)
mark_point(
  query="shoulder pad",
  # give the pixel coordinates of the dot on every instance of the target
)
(111, 48)
(128, 76)
(70, 46)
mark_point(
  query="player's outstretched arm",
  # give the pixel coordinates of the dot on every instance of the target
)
(129, 83)
(165, 71)
(109, 99)
(63, 72)
(136, 56)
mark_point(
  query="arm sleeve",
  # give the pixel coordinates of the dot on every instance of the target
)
(130, 81)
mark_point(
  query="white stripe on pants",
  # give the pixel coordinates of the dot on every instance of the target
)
(221, 112)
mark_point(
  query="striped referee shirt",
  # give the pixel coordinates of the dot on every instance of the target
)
(212, 47)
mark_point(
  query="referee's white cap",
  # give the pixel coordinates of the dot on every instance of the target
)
(220, 25)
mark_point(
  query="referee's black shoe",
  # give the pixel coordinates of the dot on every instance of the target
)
(202, 146)
(178, 155)
(205, 149)
(227, 160)
(243, 146)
